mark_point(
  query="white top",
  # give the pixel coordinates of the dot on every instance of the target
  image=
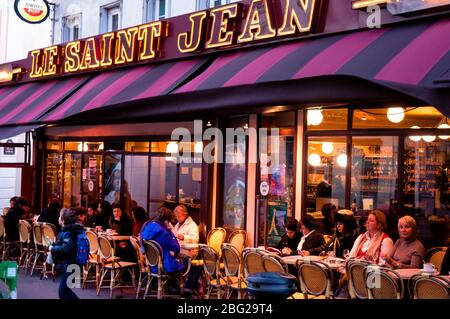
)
(302, 241)
(188, 229)
(387, 246)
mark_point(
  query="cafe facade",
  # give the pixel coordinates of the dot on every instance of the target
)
(342, 102)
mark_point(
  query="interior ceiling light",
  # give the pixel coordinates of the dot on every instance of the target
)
(314, 159)
(172, 147)
(327, 147)
(395, 114)
(444, 126)
(342, 160)
(314, 117)
(198, 147)
(415, 138)
(429, 138)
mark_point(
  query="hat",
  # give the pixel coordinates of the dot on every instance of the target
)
(347, 212)
(348, 220)
(309, 222)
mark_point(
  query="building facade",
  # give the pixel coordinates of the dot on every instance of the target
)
(353, 115)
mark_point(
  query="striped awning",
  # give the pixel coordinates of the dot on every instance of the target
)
(402, 57)
(26, 103)
(124, 86)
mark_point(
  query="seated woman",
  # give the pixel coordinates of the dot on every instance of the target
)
(328, 211)
(374, 243)
(311, 237)
(158, 230)
(139, 218)
(122, 224)
(289, 241)
(342, 239)
(408, 251)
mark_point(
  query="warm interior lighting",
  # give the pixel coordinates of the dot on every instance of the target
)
(82, 147)
(444, 126)
(359, 4)
(429, 138)
(327, 147)
(395, 114)
(314, 159)
(314, 117)
(198, 147)
(209, 124)
(172, 147)
(342, 160)
(101, 147)
(415, 138)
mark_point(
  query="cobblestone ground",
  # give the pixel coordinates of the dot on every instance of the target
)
(34, 288)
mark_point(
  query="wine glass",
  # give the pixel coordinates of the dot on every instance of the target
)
(346, 253)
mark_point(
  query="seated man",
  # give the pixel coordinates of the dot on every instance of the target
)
(311, 237)
(289, 241)
(186, 230)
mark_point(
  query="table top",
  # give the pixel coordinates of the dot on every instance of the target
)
(119, 237)
(189, 246)
(407, 273)
(333, 263)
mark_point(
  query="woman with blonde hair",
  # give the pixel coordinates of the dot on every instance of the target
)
(374, 245)
(408, 252)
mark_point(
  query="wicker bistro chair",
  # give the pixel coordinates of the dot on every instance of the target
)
(238, 239)
(435, 256)
(154, 254)
(383, 283)
(48, 232)
(94, 261)
(315, 278)
(425, 286)
(356, 281)
(233, 268)
(143, 268)
(253, 261)
(111, 264)
(211, 268)
(39, 251)
(26, 249)
(274, 263)
(215, 239)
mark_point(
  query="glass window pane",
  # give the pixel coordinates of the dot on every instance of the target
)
(159, 147)
(326, 166)
(73, 146)
(406, 117)
(93, 146)
(426, 188)
(137, 147)
(163, 183)
(53, 176)
(234, 187)
(162, 9)
(91, 179)
(190, 188)
(54, 146)
(136, 181)
(72, 180)
(112, 176)
(326, 119)
(374, 173)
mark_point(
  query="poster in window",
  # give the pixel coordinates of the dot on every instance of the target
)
(276, 220)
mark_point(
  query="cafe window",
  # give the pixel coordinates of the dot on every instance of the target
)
(320, 119)
(72, 180)
(137, 147)
(374, 172)
(234, 176)
(113, 178)
(163, 183)
(397, 117)
(136, 180)
(53, 175)
(326, 162)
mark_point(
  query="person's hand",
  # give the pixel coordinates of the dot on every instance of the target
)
(286, 251)
(180, 237)
(305, 253)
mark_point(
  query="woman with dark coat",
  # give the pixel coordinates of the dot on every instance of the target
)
(122, 224)
(311, 238)
(64, 250)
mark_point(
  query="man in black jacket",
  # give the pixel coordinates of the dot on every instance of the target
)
(311, 237)
(64, 250)
(12, 218)
(51, 214)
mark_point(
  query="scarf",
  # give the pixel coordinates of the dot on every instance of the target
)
(373, 253)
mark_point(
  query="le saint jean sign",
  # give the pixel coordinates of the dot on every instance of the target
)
(222, 27)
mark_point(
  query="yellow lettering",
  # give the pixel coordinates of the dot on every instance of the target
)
(190, 41)
(36, 64)
(51, 60)
(150, 38)
(258, 25)
(125, 45)
(222, 31)
(297, 17)
(91, 54)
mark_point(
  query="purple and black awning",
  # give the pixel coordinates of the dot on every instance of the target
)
(409, 58)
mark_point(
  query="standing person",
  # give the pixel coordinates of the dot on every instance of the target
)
(374, 245)
(50, 214)
(311, 237)
(64, 250)
(408, 251)
(289, 241)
